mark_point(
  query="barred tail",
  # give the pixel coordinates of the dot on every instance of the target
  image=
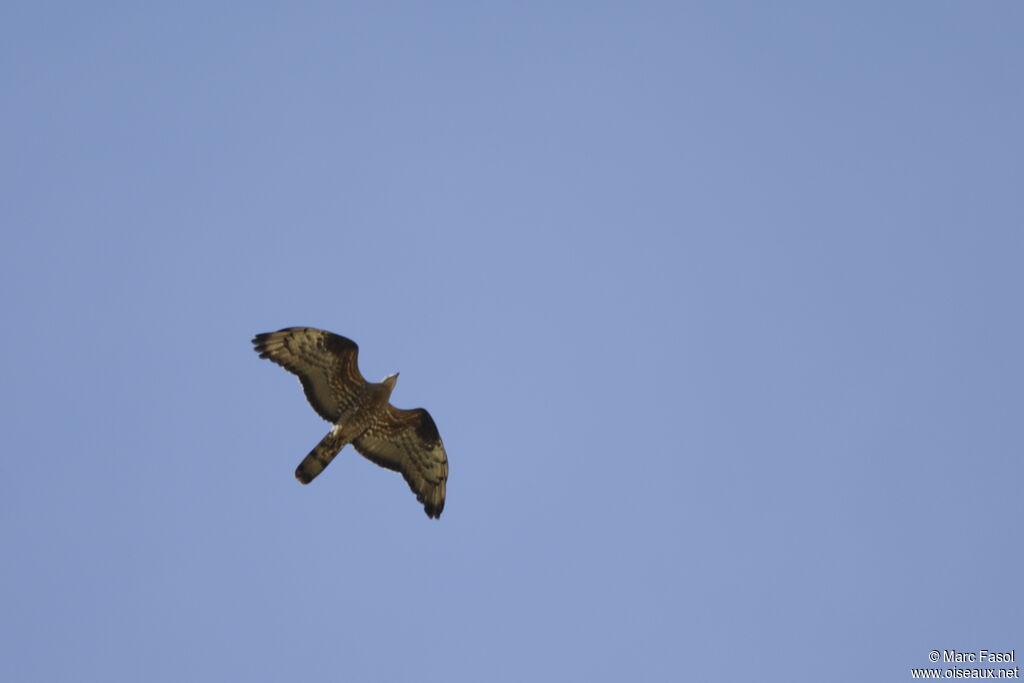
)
(320, 457)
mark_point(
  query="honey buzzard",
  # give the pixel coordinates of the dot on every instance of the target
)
(405, 441)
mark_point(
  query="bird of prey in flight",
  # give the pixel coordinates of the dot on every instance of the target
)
(405, 441)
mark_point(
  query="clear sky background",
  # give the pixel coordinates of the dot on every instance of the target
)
(717, 307)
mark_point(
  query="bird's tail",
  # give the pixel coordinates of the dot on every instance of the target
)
(320, 457)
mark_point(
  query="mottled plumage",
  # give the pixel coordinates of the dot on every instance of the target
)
(405, 441)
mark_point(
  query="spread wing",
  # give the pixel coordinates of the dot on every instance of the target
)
(325, 363)
(407, 441)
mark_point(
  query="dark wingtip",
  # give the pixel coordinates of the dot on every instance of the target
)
(260, 340)
(302, 476)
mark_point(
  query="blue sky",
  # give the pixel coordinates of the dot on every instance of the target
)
(717, 307)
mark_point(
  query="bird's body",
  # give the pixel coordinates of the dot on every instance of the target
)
(406, 441)
(368, 410)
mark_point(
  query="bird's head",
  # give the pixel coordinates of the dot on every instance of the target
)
(390, 381)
